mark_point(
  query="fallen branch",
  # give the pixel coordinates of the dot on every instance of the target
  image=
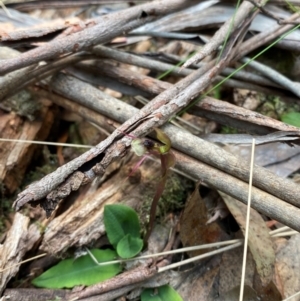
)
(105, 29)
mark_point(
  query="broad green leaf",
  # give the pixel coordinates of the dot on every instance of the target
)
(292, 118)
(120, 220)
(162, 293)
(129, 246)
(81, 271)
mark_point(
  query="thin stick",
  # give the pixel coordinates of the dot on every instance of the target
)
(280, 230)
(27, 260)
(181, 250)
(45, 143)
(247, 223)
(291, 297)
(283, 234)
(177, 264)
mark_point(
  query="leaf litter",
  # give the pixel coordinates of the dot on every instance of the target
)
(271, 274)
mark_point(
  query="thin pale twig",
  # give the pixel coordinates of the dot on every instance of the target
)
(247, 223)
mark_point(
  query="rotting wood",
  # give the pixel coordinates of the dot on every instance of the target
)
(15, 157)
(82, 223)
(14, 248)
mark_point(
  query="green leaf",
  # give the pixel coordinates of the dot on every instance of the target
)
(81, 271)
(163, 138)
(162, 293)
(129, 246)
(292, 118)
(120, 220)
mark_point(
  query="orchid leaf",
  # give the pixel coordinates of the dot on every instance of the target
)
(292, 118)
(120, 220)
(162, 293)
(81, 271)
(129, 246)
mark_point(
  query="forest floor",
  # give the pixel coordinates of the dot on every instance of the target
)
(127, 133)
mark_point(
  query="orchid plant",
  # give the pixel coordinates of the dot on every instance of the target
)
(162, 150)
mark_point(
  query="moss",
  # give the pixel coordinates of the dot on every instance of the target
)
(23, 104)
(273, 106)
(228, 130)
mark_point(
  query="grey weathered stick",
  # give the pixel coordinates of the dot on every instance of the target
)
(133, 59)
(103, 153)
(261, 201)
(220, 36)
(187, 143)
(107, 28)
(13, 82)
(265, 37)
(151, 64)
(274, 75)
(154, 86)
(9, 81)
(226, 113)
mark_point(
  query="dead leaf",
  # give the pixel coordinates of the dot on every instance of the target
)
(288, 266)
(198, 282)
(233, 294)
(260, 243)
(193, 228)
(231, 270)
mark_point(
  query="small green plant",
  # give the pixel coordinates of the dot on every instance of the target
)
(81, 271)
(292, 118)
(162, 293)
(123, 230)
